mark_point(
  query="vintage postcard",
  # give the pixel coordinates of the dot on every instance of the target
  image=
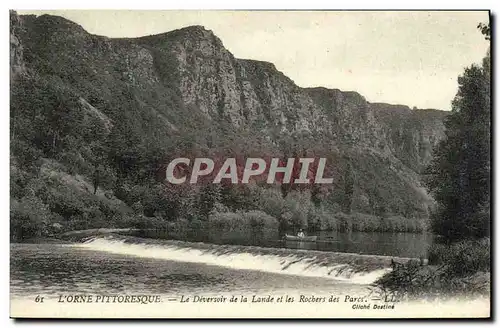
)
(250, 164)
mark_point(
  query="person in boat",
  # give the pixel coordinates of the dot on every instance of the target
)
(301, 234)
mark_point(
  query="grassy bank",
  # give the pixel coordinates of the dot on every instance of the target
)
(461, 268)
(258, 220)
(370, 223)
(224, 222)
(51, 199)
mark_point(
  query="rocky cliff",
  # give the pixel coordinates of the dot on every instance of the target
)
(184, 84)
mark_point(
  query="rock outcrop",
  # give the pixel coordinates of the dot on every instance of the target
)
(186, 82)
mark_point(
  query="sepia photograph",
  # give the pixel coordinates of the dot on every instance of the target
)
(208, 164)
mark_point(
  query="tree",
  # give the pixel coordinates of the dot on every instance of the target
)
(459, 175)
(485, 30)
(103, 176)
(209, 196)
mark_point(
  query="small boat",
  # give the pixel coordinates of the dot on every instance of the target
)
(297, 238)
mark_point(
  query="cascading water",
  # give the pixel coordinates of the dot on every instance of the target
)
(352, 268)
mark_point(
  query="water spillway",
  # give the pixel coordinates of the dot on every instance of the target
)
(348, 267)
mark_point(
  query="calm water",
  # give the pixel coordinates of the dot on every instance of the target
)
(379, 243)
(375, 243)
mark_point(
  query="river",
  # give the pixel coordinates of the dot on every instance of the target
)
(179, 270)
(400, 244)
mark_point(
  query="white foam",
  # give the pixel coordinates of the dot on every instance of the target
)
(291, 265)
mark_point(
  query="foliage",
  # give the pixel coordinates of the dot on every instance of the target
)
(230, 221)
(29, 218)
(456, 269)
(485, 30)
(462, 258)
(459, 175)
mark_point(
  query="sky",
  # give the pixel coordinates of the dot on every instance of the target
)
(410, 58)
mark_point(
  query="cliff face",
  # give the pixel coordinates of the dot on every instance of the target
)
(244, 92)
(16, 49)
(185, 82)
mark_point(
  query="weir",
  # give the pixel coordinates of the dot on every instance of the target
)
(347, 267)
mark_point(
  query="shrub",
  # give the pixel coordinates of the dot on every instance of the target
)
(297, 205)
(369, 223)
(226, 221)
(230, 221)
(74, 162)
(462, 258)
(315, 218)
(27, 156)
(459, 268)
(436, 253)
(271, 202)
(259, 219)
(28, 218)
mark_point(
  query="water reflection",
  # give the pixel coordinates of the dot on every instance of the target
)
(374, 243)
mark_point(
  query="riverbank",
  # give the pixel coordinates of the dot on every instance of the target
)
(70, 237)
(461, 268)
